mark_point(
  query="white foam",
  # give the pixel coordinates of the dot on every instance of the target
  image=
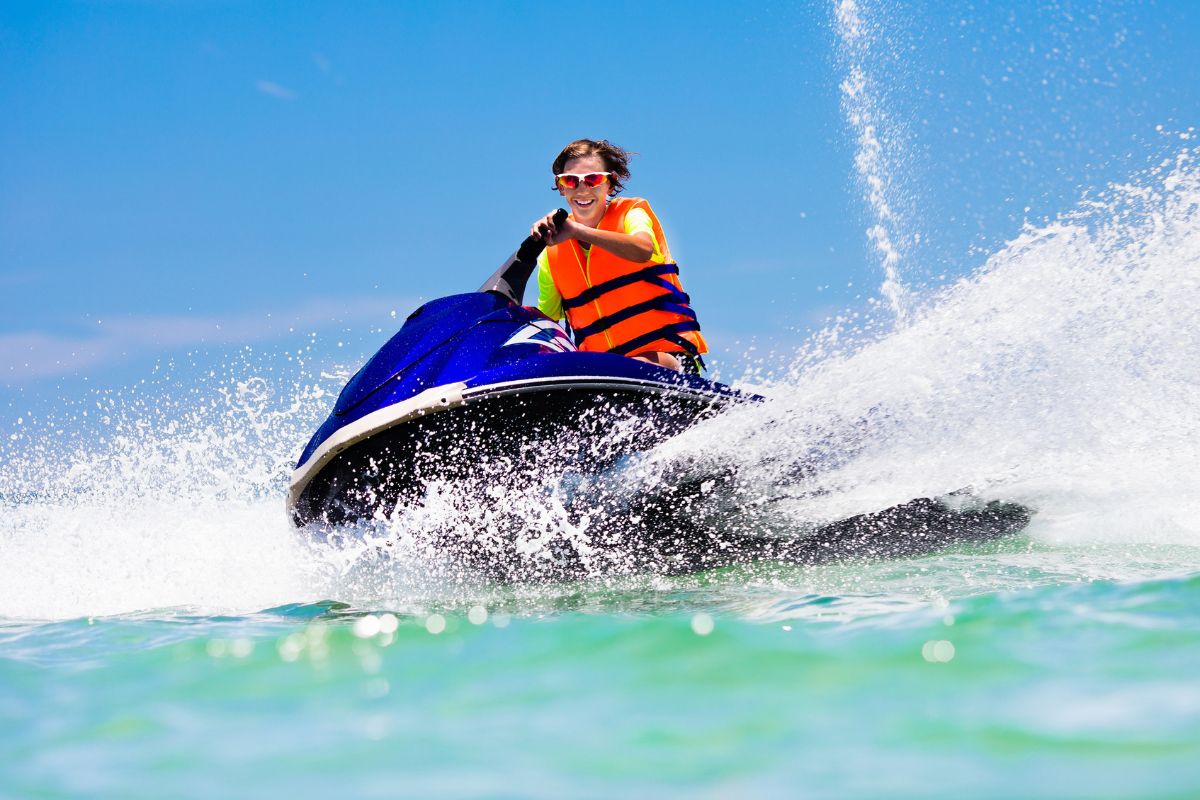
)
(1062, 374)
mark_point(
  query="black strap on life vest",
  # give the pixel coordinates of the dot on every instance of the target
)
(668, 332)
(650, 274)
(672, 300)
(676, 302)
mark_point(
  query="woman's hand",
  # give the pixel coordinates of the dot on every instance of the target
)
(551, 234)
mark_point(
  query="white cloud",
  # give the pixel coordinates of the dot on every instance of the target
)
(275, 90)
(29, 355)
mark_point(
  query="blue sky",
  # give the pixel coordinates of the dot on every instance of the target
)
(182, 175)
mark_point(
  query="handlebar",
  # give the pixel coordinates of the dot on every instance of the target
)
(509, 281)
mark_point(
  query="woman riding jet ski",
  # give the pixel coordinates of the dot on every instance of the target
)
(480, 391)
(468, 382)
(607, 267)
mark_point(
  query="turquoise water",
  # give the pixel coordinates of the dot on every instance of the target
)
(827, 681)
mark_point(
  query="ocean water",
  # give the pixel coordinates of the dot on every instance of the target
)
(165, 633)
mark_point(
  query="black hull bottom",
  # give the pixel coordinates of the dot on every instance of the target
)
(673, 532)
(918, 527)
(511, 442)
(495, 439)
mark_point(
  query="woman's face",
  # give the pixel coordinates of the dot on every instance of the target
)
(587, 203)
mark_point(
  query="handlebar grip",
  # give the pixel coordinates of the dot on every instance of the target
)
(533, 246)
(509, 281)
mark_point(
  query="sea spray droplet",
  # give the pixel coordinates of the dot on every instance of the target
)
(369, 658)
(938, 651)
(702, 624)
(291, 646)
(318, 647)
(435, 624)
(873, 131)
(477, 615)
(366, 627)
(376, 728)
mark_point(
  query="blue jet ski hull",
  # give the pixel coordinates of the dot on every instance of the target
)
(495, 383)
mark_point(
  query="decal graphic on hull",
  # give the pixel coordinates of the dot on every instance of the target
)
(544, 333)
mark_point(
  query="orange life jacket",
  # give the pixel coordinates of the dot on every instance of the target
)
(620, 306)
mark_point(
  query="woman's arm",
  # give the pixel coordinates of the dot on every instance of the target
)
(637, 247)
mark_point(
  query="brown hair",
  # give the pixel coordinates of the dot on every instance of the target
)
(616, 160)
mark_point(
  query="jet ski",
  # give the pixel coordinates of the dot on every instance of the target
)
(478, 378)
(478, 386)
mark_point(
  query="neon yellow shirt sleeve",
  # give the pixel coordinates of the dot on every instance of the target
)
(549, 300)
(638, 221)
